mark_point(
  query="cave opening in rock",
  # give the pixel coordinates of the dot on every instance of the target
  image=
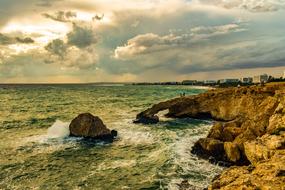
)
(205, 116)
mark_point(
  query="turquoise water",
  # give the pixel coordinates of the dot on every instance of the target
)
(143, 157)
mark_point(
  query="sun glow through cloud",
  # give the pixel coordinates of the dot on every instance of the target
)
(22, 48)
(46, 30)
(111, 39)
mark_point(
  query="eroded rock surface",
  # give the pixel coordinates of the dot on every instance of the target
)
(89, 126)
(249, 132)
(266, 174)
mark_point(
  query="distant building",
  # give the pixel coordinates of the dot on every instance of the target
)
(169, 83)
(209, 82)
(189, 82)
(260, 78)
(229, 81)
(246, 80)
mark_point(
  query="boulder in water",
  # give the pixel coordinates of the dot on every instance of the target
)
(90, 126)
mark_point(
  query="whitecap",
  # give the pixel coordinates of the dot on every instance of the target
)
(58, 130)
(135, 137)
(191, 164)
(117, 164)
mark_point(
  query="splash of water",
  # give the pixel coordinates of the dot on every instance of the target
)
(58, 130)
(200, 172)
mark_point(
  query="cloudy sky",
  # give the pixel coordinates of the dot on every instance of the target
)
(139, 40)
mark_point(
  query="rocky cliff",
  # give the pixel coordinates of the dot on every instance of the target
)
(249, 132)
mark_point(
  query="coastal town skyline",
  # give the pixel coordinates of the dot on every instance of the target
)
(64, 41)
(142, 94)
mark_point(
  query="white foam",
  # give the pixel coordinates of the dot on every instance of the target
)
(133, 134)
(58, 130)
(202, 87)
(116, 164)
(190, 163)
(135, 137)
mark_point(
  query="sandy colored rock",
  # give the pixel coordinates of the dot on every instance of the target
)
(232, 151)
(249, 130)
(277, 121)
(241, 114)
(230, 133)
(211, 146)
(216, 131)
(266, 175)
(263, 148)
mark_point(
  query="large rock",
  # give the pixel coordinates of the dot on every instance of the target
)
(241, 115)
(210, 148)
(266, 154)
(232, 151)
(221, 105)
(264, 148)
(277, 121)
(249, 130)
(265, 175)
(87, 125)
(151, 119)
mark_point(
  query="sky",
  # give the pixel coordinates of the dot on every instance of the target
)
(72, 41)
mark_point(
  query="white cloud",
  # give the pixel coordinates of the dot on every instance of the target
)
(80, 59)
(61, 16)
(150, 43)
(132, 38)
(251, 5)
(146, 43)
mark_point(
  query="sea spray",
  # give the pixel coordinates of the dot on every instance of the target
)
(58, 130)
(143, 157)
(197, 172)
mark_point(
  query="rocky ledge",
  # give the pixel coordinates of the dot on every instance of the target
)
(90, 126)
(248, 133)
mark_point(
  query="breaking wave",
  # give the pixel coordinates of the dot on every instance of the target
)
(58, 130)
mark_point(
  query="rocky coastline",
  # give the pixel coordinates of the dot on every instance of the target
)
(248, 133)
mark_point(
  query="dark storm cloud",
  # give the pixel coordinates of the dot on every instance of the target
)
(57, 47)
(81, 37)
(262, 55)
(77, 52)
(231, 66)
(61, 16)
(69, 56)
(25, 40)
(11, 8)
(97, 17)
(137, 38)
(47, 3)
(6, 40)
(256, 64)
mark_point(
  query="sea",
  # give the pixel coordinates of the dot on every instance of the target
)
(36, 151)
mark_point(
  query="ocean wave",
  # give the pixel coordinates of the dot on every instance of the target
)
(202, 87)
(197, 171)
(135, 137)
(58, 130)
(55, 139)
(117, 164)
(131, 134)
